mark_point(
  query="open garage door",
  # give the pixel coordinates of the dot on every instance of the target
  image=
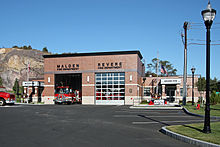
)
(68, 86)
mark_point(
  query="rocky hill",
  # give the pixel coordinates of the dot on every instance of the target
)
(17, 63)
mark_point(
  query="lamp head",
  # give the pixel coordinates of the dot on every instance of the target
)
(208, 14)
(193, 69)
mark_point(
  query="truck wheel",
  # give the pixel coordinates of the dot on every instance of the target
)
(2, 102)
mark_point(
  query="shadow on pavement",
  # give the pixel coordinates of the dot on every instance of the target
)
(154, 120)
(193, 128)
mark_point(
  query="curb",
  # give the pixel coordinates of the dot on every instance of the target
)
(187, 139)
(161, 108)
(31, 104)
(198, 115)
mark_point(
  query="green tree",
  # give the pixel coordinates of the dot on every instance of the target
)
(16, 86)
(45, 50)
(201, 84)
(169, 67)
(218, 85)
(22, 90)
(25, 47)
(215, 98)
(1, 82)
(29, 47)
(214, 84)
(15, 46)
(152, 67)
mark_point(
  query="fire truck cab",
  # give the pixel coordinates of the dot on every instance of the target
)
(5, 97)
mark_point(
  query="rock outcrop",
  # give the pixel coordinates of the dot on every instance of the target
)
(20, 64)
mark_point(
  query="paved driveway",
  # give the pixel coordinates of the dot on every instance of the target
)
(88, 126)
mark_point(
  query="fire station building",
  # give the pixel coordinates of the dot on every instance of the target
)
(103, 78)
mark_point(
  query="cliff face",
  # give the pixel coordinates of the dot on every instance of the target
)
(19, 63)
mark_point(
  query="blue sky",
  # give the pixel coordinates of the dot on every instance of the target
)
(112, 25)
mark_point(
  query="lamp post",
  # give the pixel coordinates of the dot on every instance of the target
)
(193, 71)
(208, 16)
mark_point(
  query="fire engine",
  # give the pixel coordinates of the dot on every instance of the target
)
(5, 97)
(66, 95)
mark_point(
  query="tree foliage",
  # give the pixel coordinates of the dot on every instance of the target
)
(152, 67)
(23, 47)
(1, 82)
(16, 86)
(45, 50)
(214, 84)
(215, 98)
(201, 84)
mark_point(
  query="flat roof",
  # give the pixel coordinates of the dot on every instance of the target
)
(94, 54)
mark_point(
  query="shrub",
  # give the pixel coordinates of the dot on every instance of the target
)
(189, 102)
(215, 98)
(144, 102)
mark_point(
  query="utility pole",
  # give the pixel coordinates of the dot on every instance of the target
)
(185, 26)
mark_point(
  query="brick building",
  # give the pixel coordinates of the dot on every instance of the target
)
(106, 78)
(170, 87)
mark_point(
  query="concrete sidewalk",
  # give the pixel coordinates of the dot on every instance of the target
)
(168, 106)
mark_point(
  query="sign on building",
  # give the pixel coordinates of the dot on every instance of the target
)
(170, 81)
(32, 83)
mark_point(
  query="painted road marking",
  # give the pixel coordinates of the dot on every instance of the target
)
(154, 122)
(9, 106)
(151, 112)
(178, 121)
(150, 116)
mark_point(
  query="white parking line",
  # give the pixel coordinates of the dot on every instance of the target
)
(153, 122)
(126, 116)
(148, 116)
(8, 106)
(151, 112)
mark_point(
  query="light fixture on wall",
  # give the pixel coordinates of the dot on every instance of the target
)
(130, 78)
(48, 79)
(88, 79)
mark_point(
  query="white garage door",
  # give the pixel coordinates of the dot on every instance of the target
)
(110, 88)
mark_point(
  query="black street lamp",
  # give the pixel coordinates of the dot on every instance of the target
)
(208, 16)
(193, 71)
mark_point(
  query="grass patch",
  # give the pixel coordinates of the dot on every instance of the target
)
(37, 103)
(215, 109)
(195, 131)
(144, 102)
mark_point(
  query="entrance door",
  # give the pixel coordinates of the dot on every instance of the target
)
(170, 92)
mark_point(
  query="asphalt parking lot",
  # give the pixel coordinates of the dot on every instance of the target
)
(80, 125)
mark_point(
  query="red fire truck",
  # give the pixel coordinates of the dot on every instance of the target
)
(5, 97)
(66, 95)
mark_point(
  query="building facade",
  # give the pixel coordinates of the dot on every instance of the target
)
(103, 78)
(170, 88)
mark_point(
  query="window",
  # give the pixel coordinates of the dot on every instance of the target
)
(110, 86)
(181, 92)
(146, 91)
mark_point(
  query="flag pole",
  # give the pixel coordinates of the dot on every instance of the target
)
(157, 72)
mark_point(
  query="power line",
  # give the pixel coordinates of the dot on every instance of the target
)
(200, 44)
(203, 40)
